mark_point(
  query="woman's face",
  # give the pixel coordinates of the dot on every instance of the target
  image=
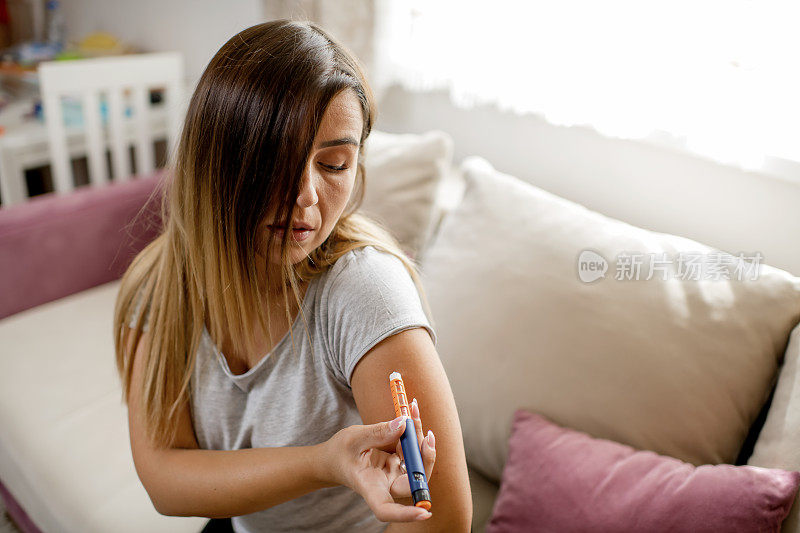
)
(328, 180)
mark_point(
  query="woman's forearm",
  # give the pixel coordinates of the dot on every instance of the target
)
(224, 483)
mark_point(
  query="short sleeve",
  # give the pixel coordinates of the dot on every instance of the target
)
(369, 298)
(138, 309)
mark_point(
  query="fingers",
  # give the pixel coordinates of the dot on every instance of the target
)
(428, 453)
(387, 510)
(382, 433)
(417, 420)
(427, 444)
(393, 462)
(395, 512)
(400, 487)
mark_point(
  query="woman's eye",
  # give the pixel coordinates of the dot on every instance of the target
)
(335, 169)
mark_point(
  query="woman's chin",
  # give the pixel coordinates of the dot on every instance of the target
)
(297, 252)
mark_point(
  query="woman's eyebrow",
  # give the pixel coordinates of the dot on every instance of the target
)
(337, 142)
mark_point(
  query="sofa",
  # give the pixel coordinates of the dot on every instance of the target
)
(538, 304)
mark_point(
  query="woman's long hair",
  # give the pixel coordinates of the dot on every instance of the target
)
(247, 136)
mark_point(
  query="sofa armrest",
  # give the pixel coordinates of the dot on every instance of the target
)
(56, 245)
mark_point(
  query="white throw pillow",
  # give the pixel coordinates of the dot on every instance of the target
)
(679, 367)
(778, 443)
(403, 174)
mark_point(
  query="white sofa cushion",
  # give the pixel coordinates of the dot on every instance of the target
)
(681, 368)
(778, 443)
(403, 176)
(64, 444)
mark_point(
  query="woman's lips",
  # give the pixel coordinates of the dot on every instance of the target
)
(298, 234)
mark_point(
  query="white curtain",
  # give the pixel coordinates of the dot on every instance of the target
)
(719, 78)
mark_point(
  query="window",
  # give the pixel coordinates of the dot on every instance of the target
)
(717, 78)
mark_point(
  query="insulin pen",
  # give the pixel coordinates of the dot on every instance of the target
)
(408, 441)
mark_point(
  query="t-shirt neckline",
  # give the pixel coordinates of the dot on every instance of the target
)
(240, 379)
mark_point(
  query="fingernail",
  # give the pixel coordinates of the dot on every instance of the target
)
(396, 423)
(424, 515)
(431, 439)
(415, 404)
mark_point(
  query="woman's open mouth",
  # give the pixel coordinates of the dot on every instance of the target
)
(299, 235)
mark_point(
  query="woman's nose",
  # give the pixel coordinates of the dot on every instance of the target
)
(308, 190)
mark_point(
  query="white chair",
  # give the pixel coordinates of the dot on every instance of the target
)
(124, 80)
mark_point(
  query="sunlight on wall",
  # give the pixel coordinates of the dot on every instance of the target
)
(718, 78)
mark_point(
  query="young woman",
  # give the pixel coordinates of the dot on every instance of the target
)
(242, 401)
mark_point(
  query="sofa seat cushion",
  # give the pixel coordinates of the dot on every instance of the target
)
(64, 444)
(678, 366)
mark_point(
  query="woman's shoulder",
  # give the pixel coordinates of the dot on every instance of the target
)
(369, 278)
(366, 263)
(372, 297)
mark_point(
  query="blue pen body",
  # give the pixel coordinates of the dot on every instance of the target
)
(413, 460)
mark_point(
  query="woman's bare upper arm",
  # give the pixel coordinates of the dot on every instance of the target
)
(412, 353)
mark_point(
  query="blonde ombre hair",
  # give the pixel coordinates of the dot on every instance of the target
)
(247, 135)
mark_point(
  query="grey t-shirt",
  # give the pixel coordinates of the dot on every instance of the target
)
(303, 398)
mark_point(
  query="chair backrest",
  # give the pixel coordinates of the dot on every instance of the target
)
(115, 78)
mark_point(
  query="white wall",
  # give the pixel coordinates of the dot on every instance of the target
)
(644, 185)
(198, 28)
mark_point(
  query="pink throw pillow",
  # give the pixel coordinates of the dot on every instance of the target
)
(560, 479)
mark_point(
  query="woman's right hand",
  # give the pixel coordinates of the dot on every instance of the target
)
(352, 458)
